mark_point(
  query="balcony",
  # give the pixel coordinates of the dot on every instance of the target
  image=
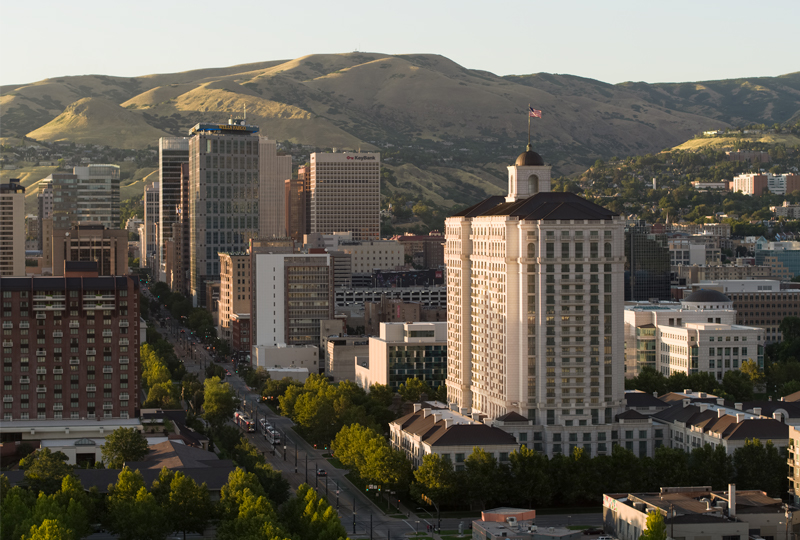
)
(123, 360)
(108, 406)
(98, 297)
(8, 399)
(7, 325)
(123, 341)
(41, 353)
(91, 352)
(58, 407)
(58, 333)
(108, 369)
(107, 333)
(8, 343)
(95, 307)
(74, 324)
(48, 297)
(41, 315)
(124, 397)
(123, 324)
(41, 371)
(91, 388)
(49, 307)
(24, 324)
(74, 361)
(41, 389)
(58, 371)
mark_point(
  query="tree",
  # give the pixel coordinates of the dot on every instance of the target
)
(760, 466)
(481, 476)
(711, 466)
(656, 527)
(50, 529)
(124, 444)
(233, 492)
(44, 470)
(670, 467)
(133, 513)
(435, 478)
(413, 389)
(219, 403)
(738, 385)
(529, 470)
(648, 380)
(189, 508)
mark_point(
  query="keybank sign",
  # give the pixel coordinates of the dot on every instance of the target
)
(361, 158)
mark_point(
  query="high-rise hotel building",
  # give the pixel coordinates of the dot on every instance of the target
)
(345, 194)
(12, 228)
(535, 309)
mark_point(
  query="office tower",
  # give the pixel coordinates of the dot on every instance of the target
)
(181, 267)
(44, 204)
(90, 193)
(647, 264)
(98, 195)
(295, 193)
(534, 307)
(345, 193)
(234, 290)
(304, 176)
(89, 242)
(149, 241)
(291, 293)
(273, 172)
(172, 151)
(71, 347)
(224, 197)
(12, 228)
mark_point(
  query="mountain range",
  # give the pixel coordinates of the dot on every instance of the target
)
(459, 118)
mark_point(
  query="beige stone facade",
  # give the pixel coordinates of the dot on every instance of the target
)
(345, 194)
(234, 294)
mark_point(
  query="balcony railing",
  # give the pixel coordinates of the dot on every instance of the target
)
(40, 389)
(108, 369)
(7, 325)
(108, 406)
(24, 324)
(124, 323)
(123, 360)
(91, 388)
(58, 371)
(124, 397)
(8, 399)
(74, 324)
(58, 333)
(41, 371)
(58, 407)
(8, 343)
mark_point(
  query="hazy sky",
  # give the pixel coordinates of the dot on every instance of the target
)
(613, 41)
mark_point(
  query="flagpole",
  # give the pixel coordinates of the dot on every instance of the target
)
(529, 126)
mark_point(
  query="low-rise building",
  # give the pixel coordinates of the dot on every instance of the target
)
(403, 351)
(286, 356)
(432, 428)
(340, 363)
(698, 512)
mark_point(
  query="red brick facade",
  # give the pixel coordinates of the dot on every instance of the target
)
(70, 347)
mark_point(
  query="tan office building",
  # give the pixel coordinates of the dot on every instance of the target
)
(89, 242)
(345, 193)
(234, 294)
(12, 229)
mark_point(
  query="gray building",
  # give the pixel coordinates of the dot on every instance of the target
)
(172, 151)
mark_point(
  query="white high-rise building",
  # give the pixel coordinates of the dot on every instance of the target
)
(535, 297)
(345, 194)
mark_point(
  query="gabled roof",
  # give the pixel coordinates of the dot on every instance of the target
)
(466, 433)
(725, 426)
(631, 415)
(643, 400)
(512, 417)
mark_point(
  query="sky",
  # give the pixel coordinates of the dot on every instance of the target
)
(612, 41)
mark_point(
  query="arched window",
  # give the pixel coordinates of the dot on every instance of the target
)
(533, 184)
(531, 250)
(607, 250)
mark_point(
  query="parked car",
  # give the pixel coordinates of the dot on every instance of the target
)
(322, 472)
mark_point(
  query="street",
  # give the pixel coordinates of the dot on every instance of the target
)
(298, 460)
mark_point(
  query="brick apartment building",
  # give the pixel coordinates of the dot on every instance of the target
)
(70, 347)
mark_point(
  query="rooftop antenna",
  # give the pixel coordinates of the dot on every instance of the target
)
(245, 112)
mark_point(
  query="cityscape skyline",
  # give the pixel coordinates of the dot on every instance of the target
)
(673, 42)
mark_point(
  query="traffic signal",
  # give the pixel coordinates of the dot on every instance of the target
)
(367, 488)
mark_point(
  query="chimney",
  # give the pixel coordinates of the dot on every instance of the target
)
(454, 407)
(778, 416)
(737, 406)
(476, 416)
(732, 500)
(448, 422)
(426, 412)
(703, 407)
(464, 411)
(655, 394)
(417, 407)
(686, 402)
(702, 395)
(739, 417)
(687, 391)
(720, 401)
(720, 413)
(757, 411)
(437, 417)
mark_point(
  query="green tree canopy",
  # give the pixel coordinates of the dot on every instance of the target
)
(44, 469)
(124, 444)
(219, 402)
(656, 527)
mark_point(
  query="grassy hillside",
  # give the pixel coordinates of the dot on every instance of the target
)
(425, 110)
(732, 143)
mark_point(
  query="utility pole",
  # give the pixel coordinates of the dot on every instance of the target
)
(307, 470)
(370, 527)
(354, 514)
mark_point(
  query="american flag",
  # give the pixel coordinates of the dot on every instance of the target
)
(534, 113)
